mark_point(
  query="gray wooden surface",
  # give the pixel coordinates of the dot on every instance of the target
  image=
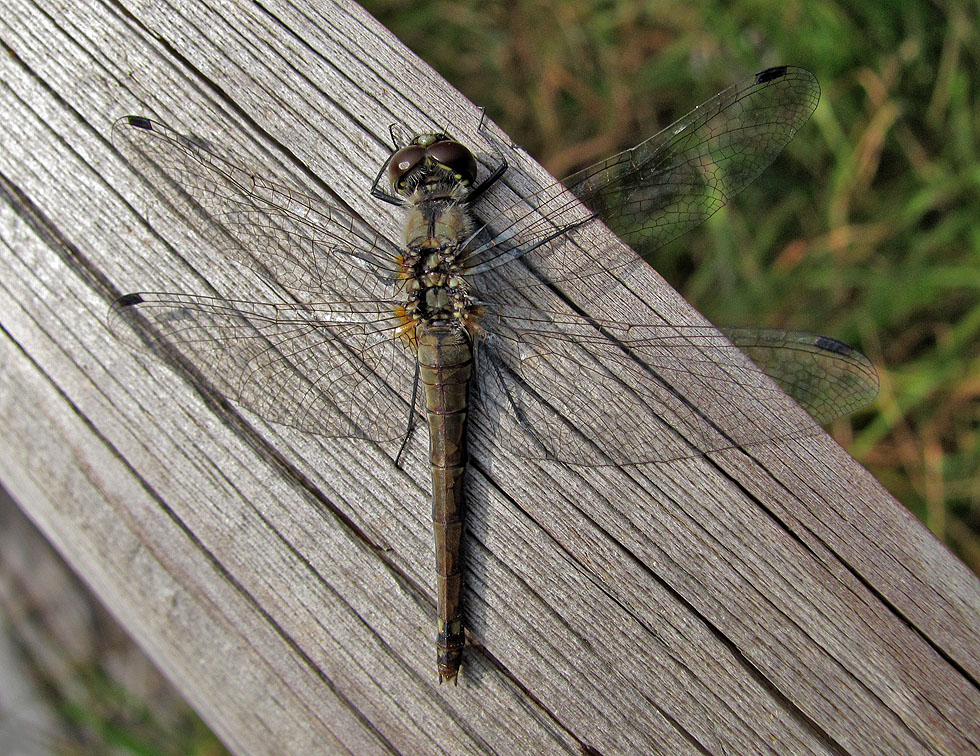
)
(772, 603)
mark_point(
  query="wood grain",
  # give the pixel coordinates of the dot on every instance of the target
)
(775, 601)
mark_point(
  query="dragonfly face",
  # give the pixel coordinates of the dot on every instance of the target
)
(430, 159)
(549, 380)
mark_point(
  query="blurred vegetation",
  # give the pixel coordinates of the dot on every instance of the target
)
(866, 228)
(101, 715)
(73, 682)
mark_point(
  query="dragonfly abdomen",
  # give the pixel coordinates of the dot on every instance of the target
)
(445, 357)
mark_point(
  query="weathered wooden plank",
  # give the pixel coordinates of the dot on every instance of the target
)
(770, 602)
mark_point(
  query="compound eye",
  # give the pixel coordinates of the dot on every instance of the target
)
(455, 157)
(402, 162)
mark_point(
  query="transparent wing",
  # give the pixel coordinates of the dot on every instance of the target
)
(673, 181)
(558, 367)
(826, 377)
(327, 360)
(330, 368)
(667, 184)
(300, 242)
(584, 390)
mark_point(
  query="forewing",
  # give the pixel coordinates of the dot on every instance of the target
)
(302, 243)
(673, 181)
(664, 186)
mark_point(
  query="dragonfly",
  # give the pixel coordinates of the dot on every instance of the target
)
(468, 324)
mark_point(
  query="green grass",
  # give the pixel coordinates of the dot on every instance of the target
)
(104, 716)
(98, 693)
(866, 229)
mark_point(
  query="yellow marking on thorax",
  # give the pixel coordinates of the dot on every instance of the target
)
(406, 331)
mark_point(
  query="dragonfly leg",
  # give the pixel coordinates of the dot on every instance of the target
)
(501, 168)
(484, 131)
(489, 181)
(377, 192)
(410, 426)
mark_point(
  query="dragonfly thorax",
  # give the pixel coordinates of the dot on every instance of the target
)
(433, 286)
(431, 267)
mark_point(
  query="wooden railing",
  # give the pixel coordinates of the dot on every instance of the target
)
(774, 600)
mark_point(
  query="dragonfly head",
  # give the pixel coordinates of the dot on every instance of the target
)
(431, 159)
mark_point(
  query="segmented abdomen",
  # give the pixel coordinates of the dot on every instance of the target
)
(445, 357)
